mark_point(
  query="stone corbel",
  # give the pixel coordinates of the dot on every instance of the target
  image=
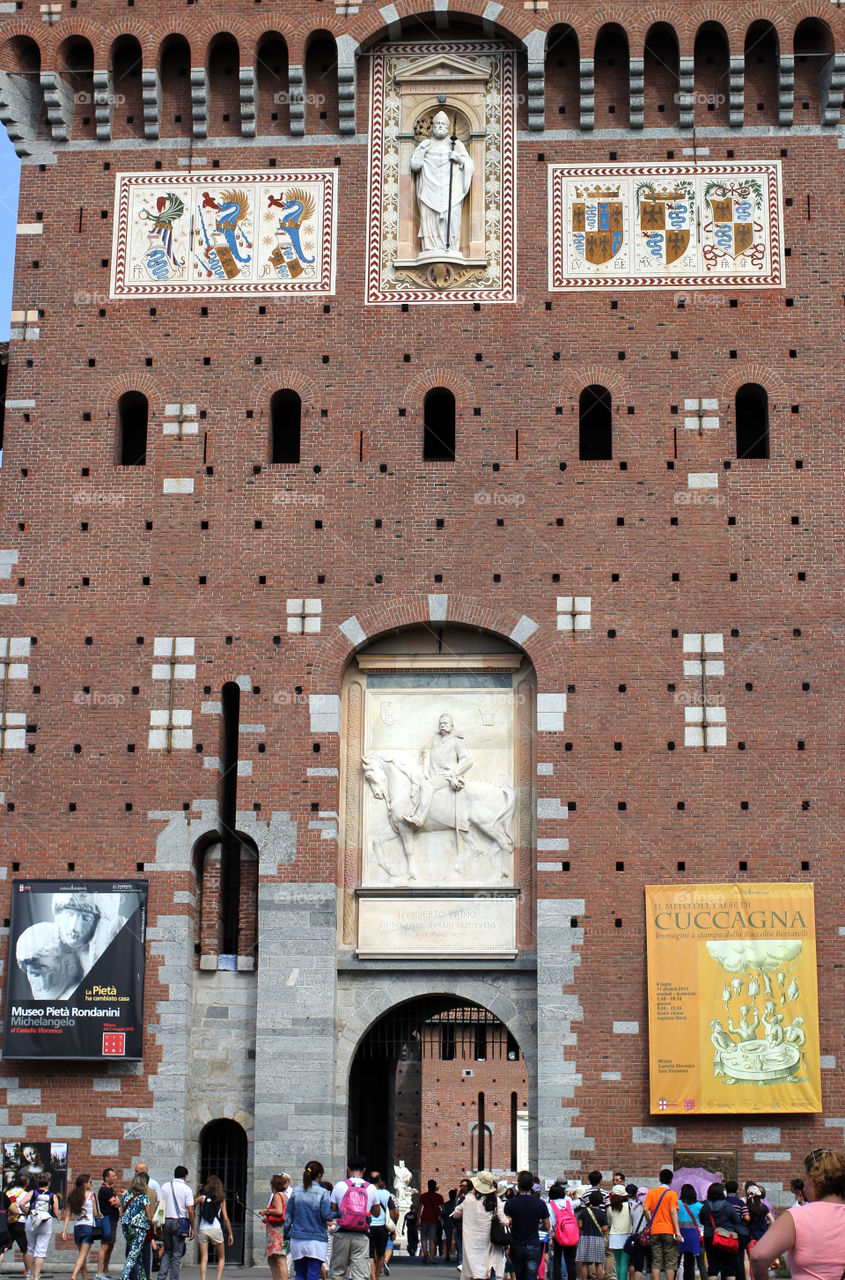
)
(535, 46)
(786, 89)
(831, 87)
(20, 108)
(103, 104)
(347, 83)
(58, 99)
(636, 93)
(246, 77)
(588, 93)
(151, 98)
(736, 93)
(686, 93)
(199, 101)
(296, 86)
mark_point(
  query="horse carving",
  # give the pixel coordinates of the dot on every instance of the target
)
(479, 815)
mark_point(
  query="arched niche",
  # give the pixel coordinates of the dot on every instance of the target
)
(410, 838)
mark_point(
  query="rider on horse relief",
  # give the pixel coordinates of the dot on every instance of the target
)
(442, 764)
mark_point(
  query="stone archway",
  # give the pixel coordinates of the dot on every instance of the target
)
(363, 1002)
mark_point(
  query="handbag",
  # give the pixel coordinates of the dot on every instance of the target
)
(727, 1241)
(634, 1240)
(500, 1235)
(183, 1226)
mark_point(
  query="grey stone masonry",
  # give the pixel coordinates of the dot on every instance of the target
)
(558, 1008)
(20, 104)
(347, 85)
(295, 1025)
(588, 93)
(535, 46)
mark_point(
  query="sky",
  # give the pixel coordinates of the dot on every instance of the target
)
(10, 171)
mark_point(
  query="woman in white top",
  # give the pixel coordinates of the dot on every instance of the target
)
(44, 1207)
(475, 1214)
(82, 1204)
(621, 1226)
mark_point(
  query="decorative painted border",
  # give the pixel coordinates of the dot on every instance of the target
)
(768, 171)
(126, 182)
(506, 291)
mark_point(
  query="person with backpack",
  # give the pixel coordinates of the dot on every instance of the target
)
(476, 1213)
(565, 1231)
(307, 1214)
(382, 1222)
(354, 1200)
(82, 1204)
(43, 1209)
(17, 1200)
(211, 1207)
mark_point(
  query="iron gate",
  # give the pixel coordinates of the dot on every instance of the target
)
(223, 1151)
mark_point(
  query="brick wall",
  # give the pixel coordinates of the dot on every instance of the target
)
(104, 555)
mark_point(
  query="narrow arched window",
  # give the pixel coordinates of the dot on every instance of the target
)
(132, 417)
(285, 426)
(595, 424)
(439, 426)
(752, 421)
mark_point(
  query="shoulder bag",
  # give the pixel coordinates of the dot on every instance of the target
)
(727, 1241)
(500, 1235)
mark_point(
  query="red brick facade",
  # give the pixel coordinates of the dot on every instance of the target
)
(107, 562)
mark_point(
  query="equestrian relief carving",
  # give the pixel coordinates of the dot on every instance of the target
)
(437, 822)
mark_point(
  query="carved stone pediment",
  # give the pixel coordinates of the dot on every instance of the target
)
(443, 67)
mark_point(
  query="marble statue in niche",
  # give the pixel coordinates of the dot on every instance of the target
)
(443, 170)
(428, 793)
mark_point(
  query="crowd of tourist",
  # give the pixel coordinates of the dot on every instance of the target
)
(346, 1230)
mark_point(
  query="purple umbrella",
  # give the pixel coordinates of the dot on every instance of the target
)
(701, 1179)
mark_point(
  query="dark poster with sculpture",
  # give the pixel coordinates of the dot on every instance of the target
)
(76, 969)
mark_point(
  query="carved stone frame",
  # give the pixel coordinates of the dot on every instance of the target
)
(352, 783)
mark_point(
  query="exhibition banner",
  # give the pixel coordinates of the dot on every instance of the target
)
(732, 999)
(76, 969)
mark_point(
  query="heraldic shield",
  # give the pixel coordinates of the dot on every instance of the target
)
(733, 228)
(597, 224)
(665, 223)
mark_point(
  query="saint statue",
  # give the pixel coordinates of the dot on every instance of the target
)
(444, 171)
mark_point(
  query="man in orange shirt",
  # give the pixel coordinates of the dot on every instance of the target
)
(661, 1211)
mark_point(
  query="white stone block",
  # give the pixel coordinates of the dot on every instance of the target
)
(564, 604)
(583, 604)
(714, 642)
(553, 845)
(716, 715)
(8, 597)
(161, 671)
(313, 605)
(565, 622)
(693, 737)
(827, 1061)
(294, 606)
(703, 480)
(438, 607)
(312, 625)
(545, 769)
(691, 405)
(183, 646)
(353, 631)
(163, 646)
(710, 423)
(626, 1028)
(295, 626)
(711, 405)
(611, 1075)
(717, 737)
(324, 710)
(754, 1134)
(244, 768)
(692, 642)
(551, 807)
(184, 671)
(582, 621)
(178, 485)
(694, 715)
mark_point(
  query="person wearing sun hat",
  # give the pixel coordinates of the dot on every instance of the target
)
(475, 1214)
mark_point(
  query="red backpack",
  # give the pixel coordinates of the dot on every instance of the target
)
(566, 1224)
(354, 1214)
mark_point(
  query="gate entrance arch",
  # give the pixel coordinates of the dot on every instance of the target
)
(440, 1083)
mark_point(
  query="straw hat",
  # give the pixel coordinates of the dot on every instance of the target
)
(483, 1182)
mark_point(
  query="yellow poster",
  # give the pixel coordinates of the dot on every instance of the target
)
(733, 1015)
